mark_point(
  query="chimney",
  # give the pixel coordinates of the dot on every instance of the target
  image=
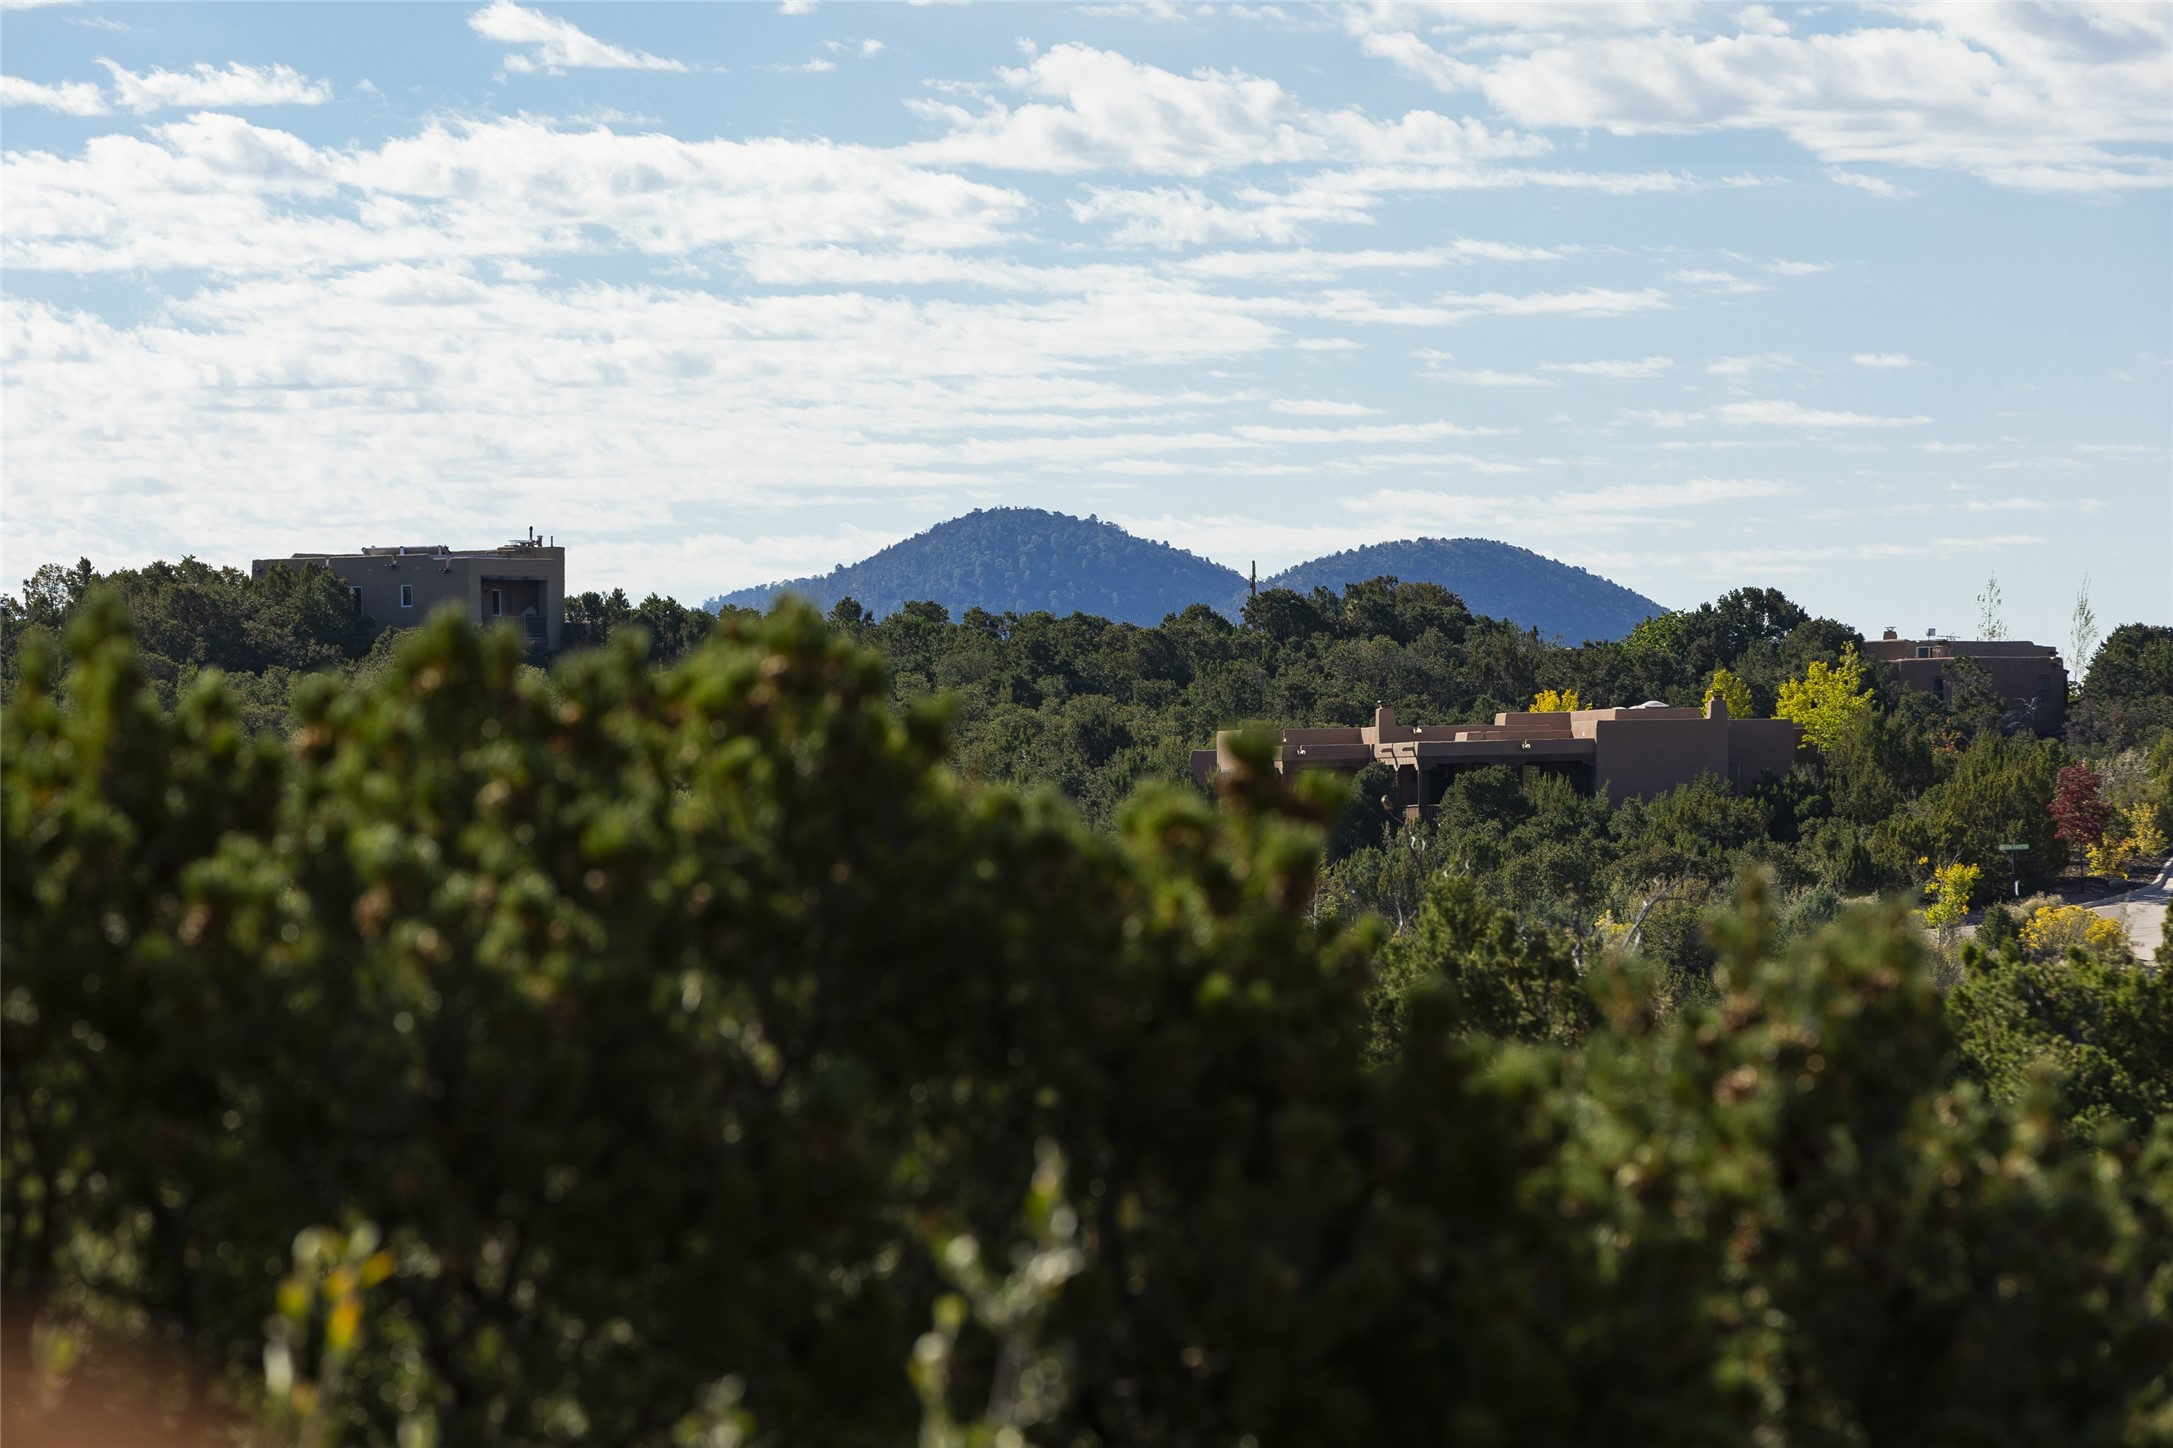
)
(1890, 633)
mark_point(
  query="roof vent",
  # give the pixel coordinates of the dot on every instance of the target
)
(1651, 704)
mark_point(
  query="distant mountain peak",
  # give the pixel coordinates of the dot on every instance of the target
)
(1024, 560)
(1499, 580)
(1017, 560)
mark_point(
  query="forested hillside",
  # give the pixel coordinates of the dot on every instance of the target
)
(1566, 604)
(1016, 560)
(663, 1055)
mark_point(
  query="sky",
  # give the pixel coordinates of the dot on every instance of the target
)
(1869, 304)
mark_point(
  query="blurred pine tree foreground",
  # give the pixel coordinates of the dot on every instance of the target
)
(652, 1055)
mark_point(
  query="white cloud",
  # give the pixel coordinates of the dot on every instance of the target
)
(1365, 433)
(69, 97)
(1878, 186)
(1798, 268)
(1618, 371)
(555, 44)
(1744, 366)
(1585, 302)
(1487, 377)
(1305, 408)
(2017, 464)
(1690, 493)
(1767, 413)
(1183, 216)
(1883, 359)
(1791, 414)
(1569, 513)
(1717, 281)
(205, 87)
(1095, 110)
(2067, 98)
(1760, 20)
(1660, 417)
(217, 192)
(1177, 216)
(1306, 264)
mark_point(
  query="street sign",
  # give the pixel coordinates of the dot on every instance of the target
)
(2011, 851)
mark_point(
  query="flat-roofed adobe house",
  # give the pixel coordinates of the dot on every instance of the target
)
(522, 583)
(1632, 753)
(2029, 678)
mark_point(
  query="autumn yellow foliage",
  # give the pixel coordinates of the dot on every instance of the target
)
(2055, 929)
(1556, 701)
(1828, 700)
(1950, 889)
(1731, 691)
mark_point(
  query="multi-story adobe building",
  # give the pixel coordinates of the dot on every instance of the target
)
(2029, 678)
(1631, 753)
(522, 582)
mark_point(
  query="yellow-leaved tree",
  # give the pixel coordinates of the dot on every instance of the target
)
(1950, 889)
(1556, 701)
(1731, 691)
(2132, 835)
(1828, 700)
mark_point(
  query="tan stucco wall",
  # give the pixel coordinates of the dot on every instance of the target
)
(1760, 746)
(1639, 758)
(436, 578)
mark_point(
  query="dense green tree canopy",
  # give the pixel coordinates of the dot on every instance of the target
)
(2128, 693)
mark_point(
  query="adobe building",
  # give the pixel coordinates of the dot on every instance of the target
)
(523, 582)
(2029, 677)
(1632, 753)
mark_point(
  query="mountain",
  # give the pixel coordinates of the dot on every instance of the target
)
(1018, 560)
(1496, 579)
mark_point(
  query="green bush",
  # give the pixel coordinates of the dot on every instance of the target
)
(2100, 1031)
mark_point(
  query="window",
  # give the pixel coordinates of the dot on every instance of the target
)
(1923, 651)
(355, 595)
(407, 595)
(497, 602)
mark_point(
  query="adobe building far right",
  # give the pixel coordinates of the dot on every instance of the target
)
(2030, 678)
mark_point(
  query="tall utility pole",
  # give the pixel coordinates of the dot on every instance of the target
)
(1252, 588)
